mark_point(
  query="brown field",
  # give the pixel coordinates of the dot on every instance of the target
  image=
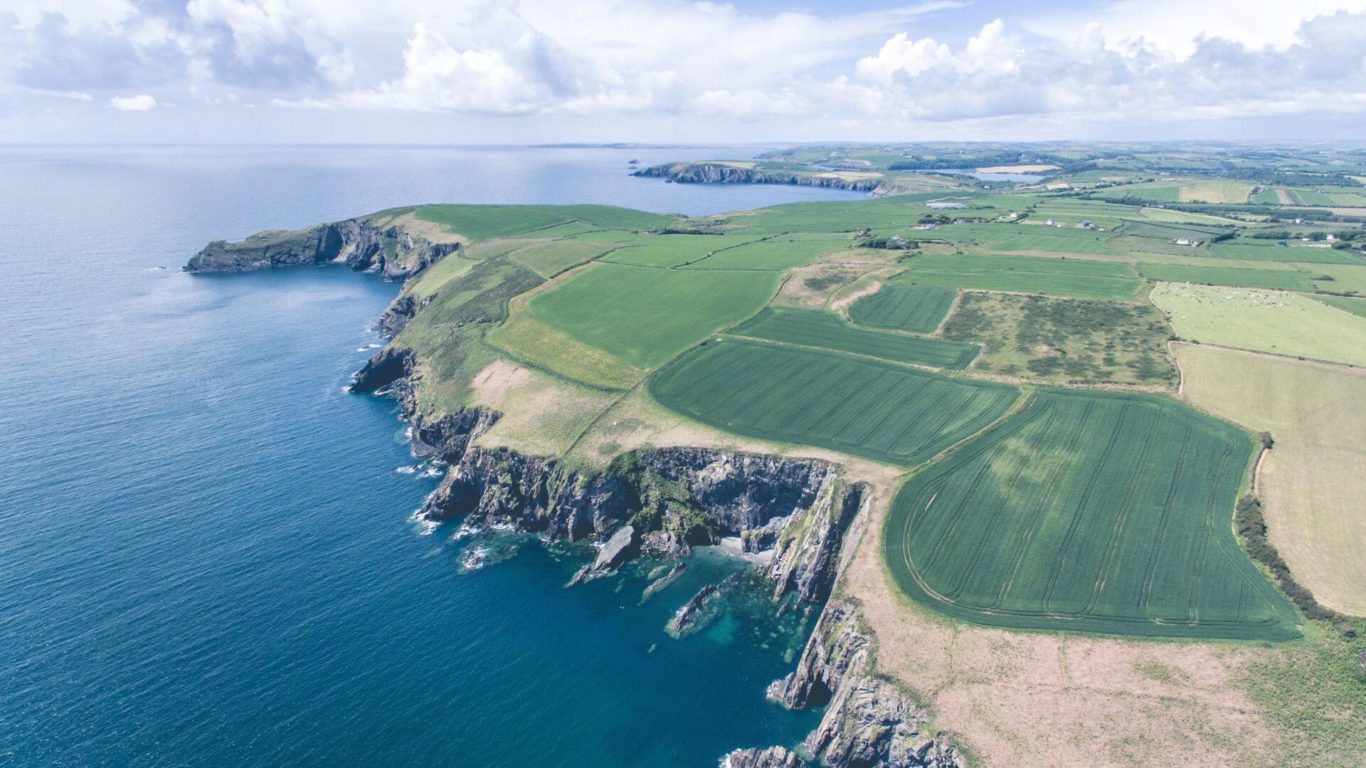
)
(1311, 483)
(1049, 699)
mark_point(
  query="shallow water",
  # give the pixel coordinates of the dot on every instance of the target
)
(206, 555)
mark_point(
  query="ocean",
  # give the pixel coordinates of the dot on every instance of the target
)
(207, 555)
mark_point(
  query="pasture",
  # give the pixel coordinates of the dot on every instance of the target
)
(1089, 511)
(818, 328)
(645, 316)
(774, 254)
(486, 222)
(1276, 279)
(904, 306)
(1264, 321)
(1311, 482)
(1079, 278)
(854, 405)
(673, 250)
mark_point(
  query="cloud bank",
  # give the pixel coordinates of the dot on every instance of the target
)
(880, 72)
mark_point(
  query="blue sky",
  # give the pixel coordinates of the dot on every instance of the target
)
(525, 71)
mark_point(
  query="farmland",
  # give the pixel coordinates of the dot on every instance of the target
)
(863, 407)
(1065, 340)
(1282, 279)
(904, 306)
(1096, 512)
(816, 328)
(1311, 482)
(1264, 321)
(603, 307)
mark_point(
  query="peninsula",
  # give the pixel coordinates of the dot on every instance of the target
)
(1037, 430)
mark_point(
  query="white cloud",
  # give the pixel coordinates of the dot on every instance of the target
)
(143, 102)
(882, 71)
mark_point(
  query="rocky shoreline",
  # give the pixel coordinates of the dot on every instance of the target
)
(657, 503)
(721, 173)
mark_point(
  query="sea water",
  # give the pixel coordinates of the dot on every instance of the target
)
(206, 552)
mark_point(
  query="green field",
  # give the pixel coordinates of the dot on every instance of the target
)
(483, 222)
(778, 253)
(818, 328)
(1260, 249)
(646, 316)
(673, 250)
(1088, 511)
(1282, 279)
(904, 306)
(1079, 278)
(551, 257)
(863, 407)
(1263, 321)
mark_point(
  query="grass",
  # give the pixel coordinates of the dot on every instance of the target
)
(854, 405)
(904, 307)
(673, 250)
(1065, 340)
(1260, 249)
(646, 316)
(1315, 694)
(1312, 484)
(551, 257)
(1264, 321)
(1356, 306)
(1282, 279)
(486, 222)
(1079, 278)
(778, 253)
(1054, 284)
(1089, 511)
(818, 328)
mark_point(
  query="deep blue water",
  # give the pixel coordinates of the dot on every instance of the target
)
(206, 556)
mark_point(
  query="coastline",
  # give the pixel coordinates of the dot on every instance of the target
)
(754, 501)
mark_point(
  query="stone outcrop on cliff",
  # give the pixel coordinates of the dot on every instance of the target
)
(773, 757)
(722, 173)
(869, 720)
(360, 244)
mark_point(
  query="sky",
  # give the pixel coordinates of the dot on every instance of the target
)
(667, 71)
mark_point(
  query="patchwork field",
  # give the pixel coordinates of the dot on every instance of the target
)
(1097, 512)
(775, 254)
(623, 310)
(1065, 340)
(904, 306)
(817, 328)
(1311, 484)
(1263, 321)
(863, 407)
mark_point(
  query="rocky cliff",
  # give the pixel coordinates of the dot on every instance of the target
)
(869, 720)
(721, 173)
(360, 244)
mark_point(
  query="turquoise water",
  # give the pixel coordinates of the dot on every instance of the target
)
(206, 556)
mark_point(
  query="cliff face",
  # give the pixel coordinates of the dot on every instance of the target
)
(662, 502)
(720, 173)
(868, 720)
(358, 243)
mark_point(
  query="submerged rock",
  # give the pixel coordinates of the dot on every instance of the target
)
(660, 582)
(695, 614)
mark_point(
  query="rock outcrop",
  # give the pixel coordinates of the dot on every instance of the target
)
(383, 369)
(806, 555)
(675, 498)
(773, 757)
(360, 244)
(869, 720)
(721, 173)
